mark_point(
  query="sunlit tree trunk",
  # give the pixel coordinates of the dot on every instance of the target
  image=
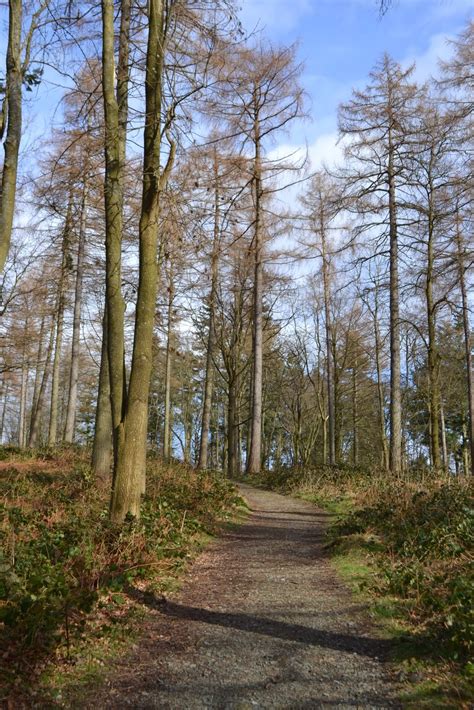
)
(208, 382)
(255, 453)
(395, 374)
(39, 403)
(329, 345)
(433, 356)
(4, 410)
(60, 306)
(380, 394)
(76, 328)
(102, 448)
(131, 425)
(467, 338)
(12, 119)
(232, 430)
(355, 417)
(444, 443)
(23, 393)
(113, 192)
(168, 369)
(112, 385)
(38, 369)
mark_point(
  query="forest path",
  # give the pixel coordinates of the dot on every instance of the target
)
(262, 621)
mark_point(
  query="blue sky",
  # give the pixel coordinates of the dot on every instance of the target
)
(341, 40)
(339, 43)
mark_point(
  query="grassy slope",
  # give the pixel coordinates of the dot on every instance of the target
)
(405, 548)
(70, 584)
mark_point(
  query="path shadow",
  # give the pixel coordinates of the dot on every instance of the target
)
(232, 695)
(361, 645)
(316, 514)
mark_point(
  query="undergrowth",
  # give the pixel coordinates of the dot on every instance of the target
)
(61, 560)
(409, 542)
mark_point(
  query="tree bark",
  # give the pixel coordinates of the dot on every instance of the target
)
(467, 338)
(76, 328)
(380, 396)
(60, 306)
(444, 443)
(12, 115)
(22, 416)
(102, 448)
(433, 356)
(4, 410)
(113, 193)
(255, 453)
(355, 417)
(38, 370)
(395, 376)
(209, 380)
(130, 446)
(38, 405)
(329, 345)
(168, 368)
(232, 431)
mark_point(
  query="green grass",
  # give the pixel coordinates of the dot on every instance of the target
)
(404, 548)
(428, 682)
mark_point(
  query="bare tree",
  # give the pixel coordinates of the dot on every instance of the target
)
(377, 123)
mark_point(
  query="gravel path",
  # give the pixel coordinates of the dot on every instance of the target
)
(262, 621)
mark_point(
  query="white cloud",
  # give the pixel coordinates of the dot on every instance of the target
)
(427, 63)
(326, 150)
(276, 15)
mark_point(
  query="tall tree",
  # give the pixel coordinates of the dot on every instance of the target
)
(130, 405)
(377, 122)
(18, 72)
(260, 97)
(322, 206)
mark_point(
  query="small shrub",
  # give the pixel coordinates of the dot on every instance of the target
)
(59, 554)
(424, 529)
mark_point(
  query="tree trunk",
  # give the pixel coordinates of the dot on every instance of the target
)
(116, 114)
(444, 442)
(113, 193)
(168, 368)
(38, 370)
(329, 347)
(355, 416)
(433, 356)
(465, 449)
(4, 410)
(38, 407)
(102, 448)
(337, 400)
(395, 376)
(232, 433)
(76, 328)
(11, 115)
(254, 458)
(22, 417)
(60, 306)
(208, 386)
(130, 446)
(467, 337)
(380, 397)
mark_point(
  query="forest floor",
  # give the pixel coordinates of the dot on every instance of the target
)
(262, 620)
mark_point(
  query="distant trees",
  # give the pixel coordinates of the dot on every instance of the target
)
(164, 294)
(24, 23)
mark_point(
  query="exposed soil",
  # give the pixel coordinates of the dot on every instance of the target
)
(262, 621)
